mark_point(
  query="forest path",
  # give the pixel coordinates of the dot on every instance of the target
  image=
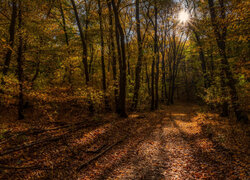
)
(168, 144)
(174, 142)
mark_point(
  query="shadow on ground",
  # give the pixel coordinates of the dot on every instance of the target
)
(165, 144)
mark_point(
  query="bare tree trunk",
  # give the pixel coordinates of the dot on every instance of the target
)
(156, 51)
(211, 65)
(170, 71)
(113, 54)
(147, 79)
(171, 90)
(186, 82)
(85, 54)
(67, 42)
(102, 58)
(11, 40)
(202, 59)
(64, 24)
(20, 64)
(177, 50)
(122, 62)
(163, 79)
(84, 46)
(163, 68)
(153, 85)
(201, 51)
(139, 60)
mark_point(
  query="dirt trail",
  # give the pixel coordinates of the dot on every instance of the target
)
(174, 146)
(170, 143)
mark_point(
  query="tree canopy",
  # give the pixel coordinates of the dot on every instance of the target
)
(122, 55)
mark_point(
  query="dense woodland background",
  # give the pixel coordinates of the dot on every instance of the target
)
(124, 89)
(105, 55)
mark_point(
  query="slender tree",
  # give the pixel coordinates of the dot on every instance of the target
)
(84, 46)
(113, 54)
(20, 62)
(122, 60)
(157, 57)
(221, 43)
(102, 56)
(11, 40)
(66, 39)
(196, 33)
(139, 57)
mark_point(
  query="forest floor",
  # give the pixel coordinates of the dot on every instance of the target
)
(175, 142)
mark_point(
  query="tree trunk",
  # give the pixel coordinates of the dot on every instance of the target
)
(11, 40)
(122, 62)
(153, 85)
(202, 59)
(139, 58)
(85, 55)
(201, 51)
(67, 42)
(147, 79)
(84, 46)
(64, 24)
(102, 57)
(113, 54)
(156, 51)
(211, 65)
(20, 64)
(171, 90)
(163, 69)
(186, 82)
(221, 42)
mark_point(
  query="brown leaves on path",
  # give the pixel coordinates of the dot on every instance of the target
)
(175, 142)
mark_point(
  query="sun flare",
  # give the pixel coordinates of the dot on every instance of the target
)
(183, 16)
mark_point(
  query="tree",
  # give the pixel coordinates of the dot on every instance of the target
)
(84, 47)
(122, 60)
(123, 53)
(113, 54)
(139, 60)
(102, 56)
(221, 42)
(11, 40)
(157, 58)
(20, 62)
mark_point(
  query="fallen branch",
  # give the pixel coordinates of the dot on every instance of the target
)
(99, 155)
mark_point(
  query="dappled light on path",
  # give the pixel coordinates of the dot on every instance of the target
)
(172, 143)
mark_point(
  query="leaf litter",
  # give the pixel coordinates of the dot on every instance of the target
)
(175, 142)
